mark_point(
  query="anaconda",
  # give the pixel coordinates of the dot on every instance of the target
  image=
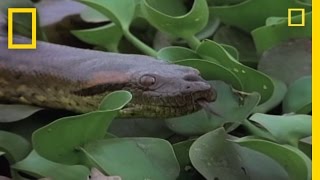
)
(62, 77)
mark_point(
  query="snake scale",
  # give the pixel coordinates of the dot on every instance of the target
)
(75, 79)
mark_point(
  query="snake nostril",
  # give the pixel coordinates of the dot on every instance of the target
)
(188, 87)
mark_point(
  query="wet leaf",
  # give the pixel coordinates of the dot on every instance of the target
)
(16, 112)
(299, 97)
(15, 147)
(296, 163)
(250, 15)
(278, 31)
(93, 16)
(243, 42)
(134, 158)
(280, 90)
(176, 53)
(217, 158)
(288, 61)
(107, 36)
(176, 23)
(287, 129)
(114, 10)
(252, 80)
(38, 167)
(59, 141)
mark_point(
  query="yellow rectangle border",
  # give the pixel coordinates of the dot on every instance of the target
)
(302, 10)
(315, 90)
(33, 44)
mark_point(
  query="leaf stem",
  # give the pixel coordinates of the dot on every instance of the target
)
(193, 42)
(139, 44)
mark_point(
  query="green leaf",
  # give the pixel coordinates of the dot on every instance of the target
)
(15, 147)
(305, 145)
(107, 36)
(180, 25)
(59, 141)
(280, 90)
(121, 13)
(210, 29)
(243, 42)
(278, 31)
(93, 16)
(288, 61)
(181, 150)
(228, 106)
(134, 158)
(295, 162)
(217, 158)
(299, 97)
(176, 53)
(250, 15)
(40, 167)
(187, 172)
(251, 79)
(16, 112)
(287, 128)
(231, 50)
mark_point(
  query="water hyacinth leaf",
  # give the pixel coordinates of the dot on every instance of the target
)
(15, 147)
(210, 28)
(93, 16)
(181, 150)
(179, 24)
(278, 32)
(288, 61)
(295, 162)
(280, 90)
(15, 112)
(187, 172)
(69, 133)
(287, 129)
(243, 42)
(299, 96)
(231, 50)
(114, 10)
(252, 80)
(176, 53)
(211, 70)
(229, 106)
(107, 36)
(134, 158)
(215, 157)
(250, 9)
(39, 167)
(305, 145)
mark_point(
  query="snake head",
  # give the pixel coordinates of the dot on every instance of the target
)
(167, 90)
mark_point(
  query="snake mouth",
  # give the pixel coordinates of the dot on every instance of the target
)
(173, 106)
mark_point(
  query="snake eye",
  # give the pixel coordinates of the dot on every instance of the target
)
(147, 80)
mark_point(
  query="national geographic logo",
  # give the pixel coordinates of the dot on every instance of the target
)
(33, 44)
